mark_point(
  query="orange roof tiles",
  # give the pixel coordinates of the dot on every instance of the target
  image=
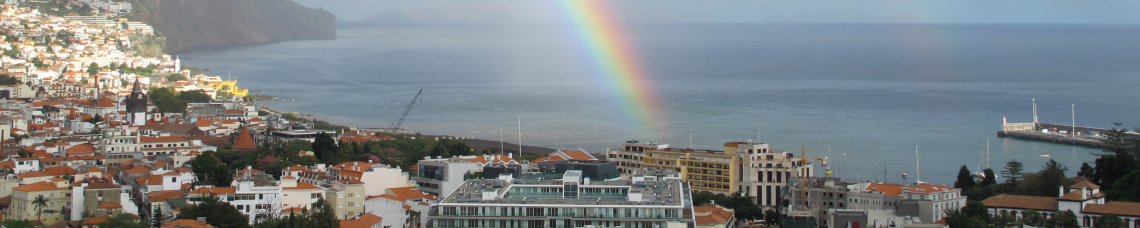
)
(1025, 202)
(138, 170)
(365, 220)
(244, 140)
(579, 155)
(711, 215)
(1116, 208)
(1085, 184)
(885, 189)
(302, 186)
(927, 188)
(214, 190)
(409, 193)
(109, 205)
(31, 174)
(186, 223)
(60, 170)
(38, 186)
(159, 196)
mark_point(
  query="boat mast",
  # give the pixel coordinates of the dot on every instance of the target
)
(916, 165)
(520, 136)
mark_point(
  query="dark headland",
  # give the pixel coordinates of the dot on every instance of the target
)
(202, 24)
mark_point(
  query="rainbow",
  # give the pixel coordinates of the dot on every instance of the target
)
(617, 61)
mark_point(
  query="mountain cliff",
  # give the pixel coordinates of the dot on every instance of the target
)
(196, 24)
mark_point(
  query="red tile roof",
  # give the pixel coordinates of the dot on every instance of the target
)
(39, 186)
(927, 188)
(244, 140)
(1116, 208)
(302, 186)
(711, 215)
(365, 220)
(890, 190)
(1024, 202)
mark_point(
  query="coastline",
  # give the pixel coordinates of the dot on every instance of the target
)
(475, 143)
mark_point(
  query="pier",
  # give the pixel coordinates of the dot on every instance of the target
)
(1088, 137)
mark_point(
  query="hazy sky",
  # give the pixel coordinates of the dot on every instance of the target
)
(885, 11)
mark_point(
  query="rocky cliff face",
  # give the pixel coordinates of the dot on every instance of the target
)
(196, 24)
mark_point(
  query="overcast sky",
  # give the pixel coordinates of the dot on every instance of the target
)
(880, 11)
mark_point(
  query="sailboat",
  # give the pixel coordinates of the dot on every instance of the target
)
(918, 180)
(981, 172)
(904, 175)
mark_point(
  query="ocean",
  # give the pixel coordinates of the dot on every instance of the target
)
(864, 95)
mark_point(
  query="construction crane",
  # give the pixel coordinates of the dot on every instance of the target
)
(392, 129)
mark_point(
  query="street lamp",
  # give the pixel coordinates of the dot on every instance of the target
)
(1074, 121)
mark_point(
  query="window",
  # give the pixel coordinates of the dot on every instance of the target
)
(315, 195)
(172, 180)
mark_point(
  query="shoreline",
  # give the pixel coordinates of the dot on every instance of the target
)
(475, 143)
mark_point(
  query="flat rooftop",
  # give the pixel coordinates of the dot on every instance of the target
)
(659, 193)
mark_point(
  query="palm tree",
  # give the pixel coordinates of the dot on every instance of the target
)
(40, 203)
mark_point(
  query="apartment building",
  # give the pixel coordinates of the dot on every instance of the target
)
(442, 176)
(349, 198)
(56, 193)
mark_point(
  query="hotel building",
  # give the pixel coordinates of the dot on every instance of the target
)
(746, 168)
(644, 201)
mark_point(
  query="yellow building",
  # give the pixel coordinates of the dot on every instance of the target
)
(56, 193)
(230, 87)
(747, 168)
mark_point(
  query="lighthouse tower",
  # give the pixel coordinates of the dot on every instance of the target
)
(136, 106)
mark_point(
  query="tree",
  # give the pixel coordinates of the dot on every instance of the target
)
(1045, 182)
(157, 217)
(166, 100)
(1033, 218)
(1012, 172)
(10, 223)
(324, 147)
(989, 178)
(209, 170)
(956, 218)
(771, 217)
(40, 203)
(123, 220)
(1127, 188)
(93, 69)
(1003, 219)
(1109, 221)
(322, 215)
(219, 214)
(1086, 171)
(175, 77)
(965, 179)
(1064, 219)
(195, 96)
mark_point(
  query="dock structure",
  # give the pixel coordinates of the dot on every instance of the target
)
(1056, 133)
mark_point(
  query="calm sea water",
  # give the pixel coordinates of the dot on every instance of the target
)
(870, 93)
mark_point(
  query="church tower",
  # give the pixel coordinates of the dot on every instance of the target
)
(136, 105)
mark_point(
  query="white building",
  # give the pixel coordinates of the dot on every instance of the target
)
(441, 176)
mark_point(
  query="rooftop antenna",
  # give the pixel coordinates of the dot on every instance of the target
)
(520, 136)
